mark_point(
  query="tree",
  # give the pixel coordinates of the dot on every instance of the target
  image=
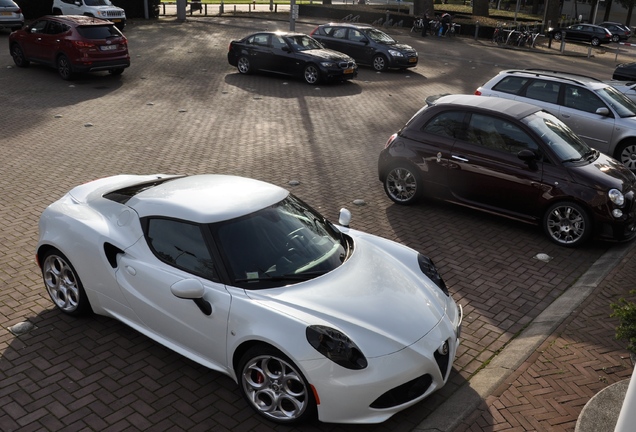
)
(608, 8)
(629, 5)
(480, 8)
(552, 13)
(423, 7)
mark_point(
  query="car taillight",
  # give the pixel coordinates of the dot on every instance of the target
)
(391, 139)
(229, 48)
(313, 31)
(477, 92)
(83, 44)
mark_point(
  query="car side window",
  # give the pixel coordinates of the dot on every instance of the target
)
(546, 91)
(55, 28)
(181, 245)
(500, 135)
(355, 35)
(278, 42)
(581, 99)
(511, 84)
(447, 124)
(339, 33)
(39, 26)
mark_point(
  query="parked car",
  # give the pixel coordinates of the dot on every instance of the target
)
(600, 114)
(71, 44)
(241, 276)
(620, 32)
(367, 45)
(292, 54)
(595, 35)
(625, 72)
(11, 16)
(103, 9)
(512, 159)
(628, 88)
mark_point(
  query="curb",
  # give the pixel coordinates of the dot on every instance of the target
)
(469, 396)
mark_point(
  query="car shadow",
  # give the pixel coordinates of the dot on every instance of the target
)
(276, 86)
(95, 372)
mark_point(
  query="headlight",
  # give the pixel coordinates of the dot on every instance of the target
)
(616, 197)
(328, 64)
(395, 53)
(429, 269)
(336, 346)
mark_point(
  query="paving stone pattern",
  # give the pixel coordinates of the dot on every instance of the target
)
(181, 108)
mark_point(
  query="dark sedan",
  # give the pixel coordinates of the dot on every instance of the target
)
(291, 54)
(367, 45)
(625, 72)
(620, 32)
(593, 34)
(512, 159)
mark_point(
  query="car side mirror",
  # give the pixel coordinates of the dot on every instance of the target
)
(192, 289)
(286, 49)
(602, 111)
(529, 157)
(345, 217)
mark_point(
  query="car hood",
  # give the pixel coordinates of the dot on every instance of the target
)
(604, 173)
(379, 297)
(398, 46)
(327, 54)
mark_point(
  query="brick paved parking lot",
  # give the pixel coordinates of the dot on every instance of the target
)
(180, 108)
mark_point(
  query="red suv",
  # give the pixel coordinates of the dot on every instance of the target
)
(71, 44)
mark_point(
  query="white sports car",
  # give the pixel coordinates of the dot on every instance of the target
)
(311, 319)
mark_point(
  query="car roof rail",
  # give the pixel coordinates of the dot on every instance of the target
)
(563, 75)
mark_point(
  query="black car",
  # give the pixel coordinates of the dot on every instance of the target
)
(512, 159)
(625, 72)
(293, 54)
(619, 31)
(367, 45)
(595, 35)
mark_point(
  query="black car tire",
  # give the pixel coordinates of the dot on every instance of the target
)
(274, 386)
(64, 67)
(57, 11)
(311, 74)
(63, 284)
(615, 38)
(402, 184)
(557, 36)
(595, 41)
(243, 65)
(626, 153)
(380, 63)
(567, 224)
(116, 71)
(18, 56)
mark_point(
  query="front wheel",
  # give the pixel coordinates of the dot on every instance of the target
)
(626, 153)
(596, 42)
(567, 224)
(18, 56)
(63, 284)
(311, 74)
(274, 387)
(402, 185)
(64, 67)
(243, 65)
(380, 63)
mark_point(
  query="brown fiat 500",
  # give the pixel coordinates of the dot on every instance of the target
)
(512, 159)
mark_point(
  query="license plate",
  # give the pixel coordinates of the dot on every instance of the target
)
(108, 47)
(412, 60)
(6, 13)
(348, 71)
(115, 20)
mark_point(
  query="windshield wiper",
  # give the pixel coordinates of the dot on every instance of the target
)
(578, 159)
(291, 277)
(591, 154)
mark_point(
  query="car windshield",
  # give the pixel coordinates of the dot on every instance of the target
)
(379, 36)
(97, 2)
(281, 244)
(620, 103)
(303, 43)
(557, 136)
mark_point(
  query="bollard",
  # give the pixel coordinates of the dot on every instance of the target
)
(221, 6)
(476, 29)
(562, 41)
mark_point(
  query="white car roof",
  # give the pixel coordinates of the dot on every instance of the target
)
(206, 198)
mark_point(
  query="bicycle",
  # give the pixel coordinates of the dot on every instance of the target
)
(499, 36)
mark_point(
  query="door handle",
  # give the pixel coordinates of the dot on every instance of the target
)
(459, 158)
(565, 116)
(131, 270)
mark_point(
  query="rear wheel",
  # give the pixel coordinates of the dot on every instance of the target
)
(64, 67)
(557, 36)
(18, 56)
(595, 41)
(403, 185)
(567, 224)
(615, 38)
(274, 386)
(243, 65)
(63, 284)
(311, 74)
(380, 63)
